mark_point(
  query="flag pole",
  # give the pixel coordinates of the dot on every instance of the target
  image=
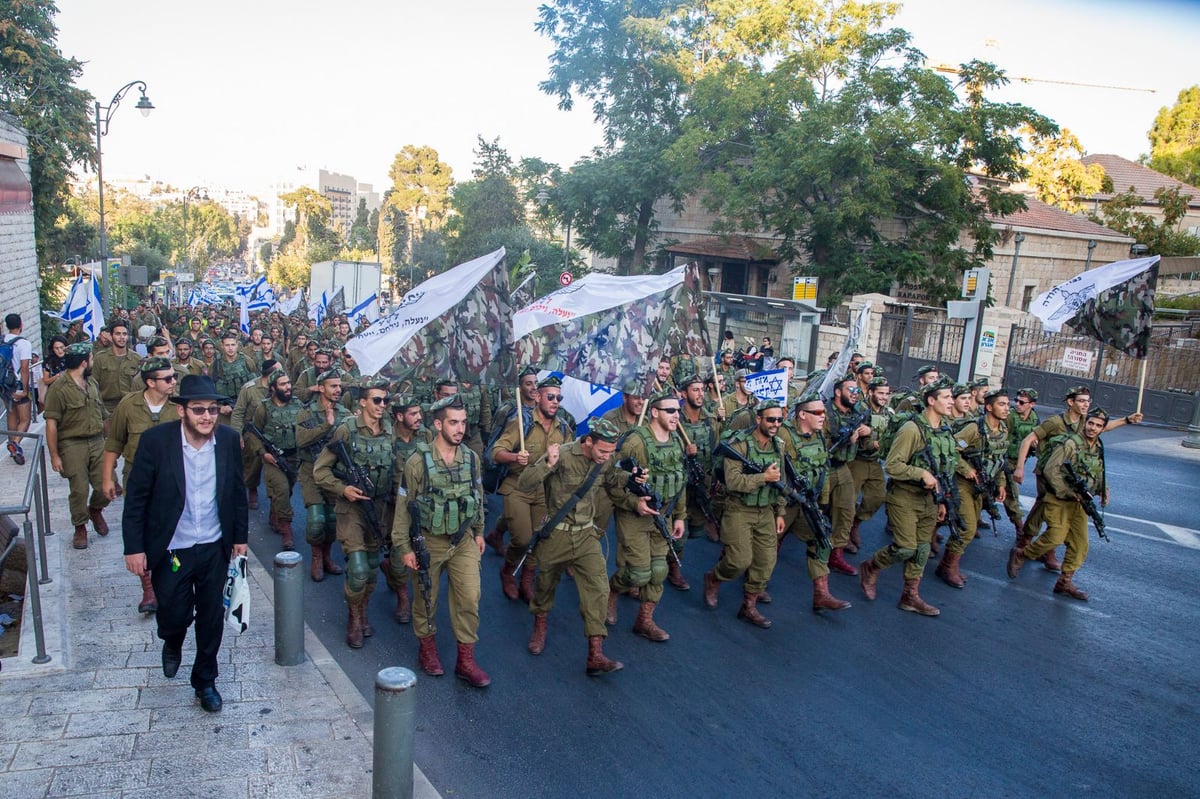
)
(1142, 384)
(520, 417)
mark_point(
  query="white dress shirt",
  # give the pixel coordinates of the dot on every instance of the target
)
(200, 523)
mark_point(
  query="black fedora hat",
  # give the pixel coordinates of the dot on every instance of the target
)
(197, 387)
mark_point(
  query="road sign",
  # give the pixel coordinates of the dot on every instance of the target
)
(565, 278)
(804, 288)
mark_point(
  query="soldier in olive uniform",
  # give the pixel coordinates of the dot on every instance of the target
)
(983, 446)
(843, 408)
(185, 362)
(368, 439)
(506, 411)
(442, 485)
(1066, 519)
(657, 451)
(1021, 423)
(739, 406)
(524, 509)
(230, 372)
(249, 398)
(911, 510)
(315, 424)
(703, 431)
(407, 432)
(905, 401)
(135, 414)
(568, 477)
(116, 367)
(307, 381)
(754, 514)
(866, 468)
(74, 417)
(276, 418)
(810, 463)
(479, 414)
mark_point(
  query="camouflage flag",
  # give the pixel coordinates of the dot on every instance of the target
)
(854, 338)
(455, 325)
(336, 303)
(1113, 303)
(609, 330)
(523, 294)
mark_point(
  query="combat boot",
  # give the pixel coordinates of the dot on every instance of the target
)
(855, 537)
(837, 562)
(597, 662)
(675, 576)
(764, 598)
(403, 610)
(748, 612)
(911, 601)
(80, 539)
(508, 581)
(948, 570)
(1016, 559)
(273, 522)
(354, 623)
(537, 641)
(316, 569)
(610, 615)
(495, 539)
(935, 544)
(427, 657)
(1023, 539)
(327, 560)
(526, 591)
(822, 599)
(98, 523)
(149, 603)
(285, 531)
(712, 586)
(1065, 585)
(367, 629)
(1049, 561)
(645, 626)
(867, 575)
(252, 498)
(468, 670)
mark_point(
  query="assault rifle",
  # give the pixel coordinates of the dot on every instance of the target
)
(846, 431)
(696, 479)
(723, 450)
(946, 493)
(1078, 484)
(357, 476)
(417, 539)
(653, 501)
(817, 521)
(274, 451)
(986, 487)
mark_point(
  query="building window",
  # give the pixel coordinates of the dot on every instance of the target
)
(733, 278)
(1027, 297)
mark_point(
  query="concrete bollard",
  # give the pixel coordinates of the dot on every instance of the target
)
(289, 609)
(395, 723)
(1193, 435)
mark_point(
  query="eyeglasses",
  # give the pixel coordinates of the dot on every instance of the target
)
(668, 410)
(773, 419)
(852, 390)
(818, 412)
(552, 397)
(206, 410)
(165, 379)
(378, 400)
(1022, 402)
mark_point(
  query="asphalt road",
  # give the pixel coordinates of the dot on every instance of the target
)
(1012, 691)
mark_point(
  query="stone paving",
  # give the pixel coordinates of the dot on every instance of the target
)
(100, 720)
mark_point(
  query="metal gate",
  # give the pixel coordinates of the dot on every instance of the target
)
(1053, 362)
(907, 342)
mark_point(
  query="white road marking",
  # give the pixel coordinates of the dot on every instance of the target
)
(1171, 534)
(1046, 596)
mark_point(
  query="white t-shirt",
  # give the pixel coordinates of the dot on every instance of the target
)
(22, 351)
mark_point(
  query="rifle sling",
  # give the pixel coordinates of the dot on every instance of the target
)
(570, 504)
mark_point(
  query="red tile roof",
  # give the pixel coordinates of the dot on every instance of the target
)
(733, 248)
(1126, 174)
(1046, 217)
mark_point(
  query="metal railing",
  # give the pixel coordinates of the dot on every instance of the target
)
(35, 498)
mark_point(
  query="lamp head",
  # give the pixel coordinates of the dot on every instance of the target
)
(144, 105)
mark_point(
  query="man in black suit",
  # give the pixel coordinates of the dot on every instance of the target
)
(185, 513)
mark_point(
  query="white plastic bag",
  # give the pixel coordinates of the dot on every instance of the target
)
(236, 595)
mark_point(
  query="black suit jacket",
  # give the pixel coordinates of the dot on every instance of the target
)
(154, 494)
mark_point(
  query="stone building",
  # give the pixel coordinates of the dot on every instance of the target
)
(18, 252)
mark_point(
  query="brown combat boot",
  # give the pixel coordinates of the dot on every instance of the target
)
(508, 581)
(285, 530)
(1051, 562)
(80, 539)
(675, 576)
(855, 537)
(822, 599)
(403, 610)
(98, 523)
(935, 544)
(764, 598)
(868, 573)
(427, 657)
(837, 562)
(149, 603)
(526, 590)
(537, 640)
(645, 626)
(316, 568)
(495, 539)
(252, 498)
(1065, 585)
(948, 570)
(597, 662)
(749, 613)
(712, 586)
(610, 615)
(368, 630)
(1016, 559)
(468, 670)
(354, 623)
(911, 601)
(328, 562)
(273, 522)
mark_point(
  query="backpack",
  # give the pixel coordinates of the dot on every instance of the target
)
(888, 435)
(9, 382)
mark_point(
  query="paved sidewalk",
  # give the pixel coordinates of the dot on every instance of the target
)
(100, 720)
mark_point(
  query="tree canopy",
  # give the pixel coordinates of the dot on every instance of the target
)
(1175, 138)
(1057, 172)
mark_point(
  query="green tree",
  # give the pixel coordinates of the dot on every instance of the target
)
(421, 180)
(1162, 236)
(1057, 173)
(315, 239)
(363, 231)
(1175, 138)
(483, 206)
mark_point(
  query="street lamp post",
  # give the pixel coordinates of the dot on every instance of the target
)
(145, 106)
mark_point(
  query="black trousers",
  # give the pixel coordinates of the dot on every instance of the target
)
(193, 592)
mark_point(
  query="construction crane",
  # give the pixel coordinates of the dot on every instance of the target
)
(952, 70)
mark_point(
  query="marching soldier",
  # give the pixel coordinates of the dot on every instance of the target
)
(703, 431)
(906, 401)
(479, 414)
(230, 371)
(276, 418)
(368, 439)
(656, 449)
(754, 514)
(442, 484)
(307, 381)
(116, 367)
(251, 395)
(625, 417)
(315, 424)
(185, 363)
(407, 432)
(1021, 423)
(839, 412)
(866, 468)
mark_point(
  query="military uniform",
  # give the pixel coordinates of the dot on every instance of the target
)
(981, 448)
(251, 396)
(320, 524)
(132, 418)
(479, 415)
(704, 433)
(114, 376)
(278, 424)
(867, 472)
(192, 366)
(842, 493)
(1019, 429)
(229, 377)
(79, 417)
(1051, 428)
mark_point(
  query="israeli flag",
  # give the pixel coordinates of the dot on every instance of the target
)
(316, 308)
(368, 308)
(583, 400)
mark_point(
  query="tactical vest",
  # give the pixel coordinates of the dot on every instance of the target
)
(1088, 464)
(704, 435)
(1019, 430)
(665, 465)
(373, 453)
(744, 442)
(958, 424)
(990, 450)
(472, 400)
(230, 377)
(403, 450)
(941, 443)
(836, 421)
(280, 425)
(316, 419)
(811, 461)
(878, 424)
(450, 503)
(1061, 419)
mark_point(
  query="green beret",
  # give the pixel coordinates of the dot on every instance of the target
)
(274, 377)
(155, 364)
(690, 380)
(663, 396)
(810, 396)
(1029, 392)
(979, 382)
(402, 402)
(528, 370)
(329, 374)
(995, 392)
(80, 348)
(863, 366)
(634, 387)
(936, 386)
(602, 429)
(960, 389)
(766, 406)
(550, 382)
(1075, 391)
(1098, 413)
(877, 382)
(453, 401)
(742, 374)
(924, 370)
(378, 383)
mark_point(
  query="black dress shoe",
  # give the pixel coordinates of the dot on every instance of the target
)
(210, 700)
(172, 656)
